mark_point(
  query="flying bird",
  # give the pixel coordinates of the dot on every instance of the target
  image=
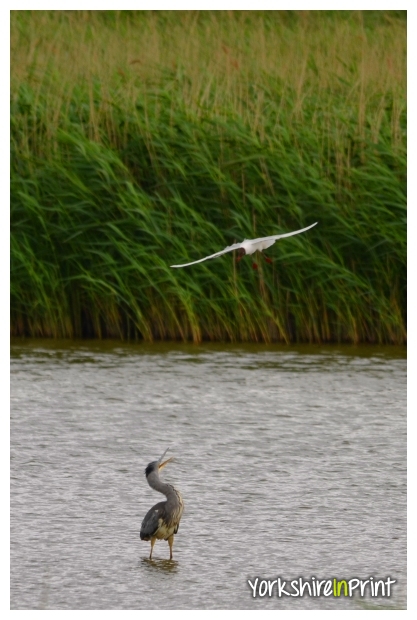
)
(163, 520)
(249, 246)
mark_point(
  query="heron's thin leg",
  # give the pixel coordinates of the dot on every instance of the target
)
(268, 260)
(170, 542)
(152, 544)
(254, 266)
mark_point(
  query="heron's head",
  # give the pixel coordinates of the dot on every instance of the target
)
(156, 466)
(241, 252)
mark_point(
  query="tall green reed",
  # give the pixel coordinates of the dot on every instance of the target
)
(116, 177)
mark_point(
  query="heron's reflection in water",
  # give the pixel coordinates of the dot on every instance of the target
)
(165, 566)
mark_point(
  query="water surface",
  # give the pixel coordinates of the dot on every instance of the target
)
(291, 462)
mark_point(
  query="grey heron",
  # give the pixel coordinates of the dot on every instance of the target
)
(249, 246)
(162, 521)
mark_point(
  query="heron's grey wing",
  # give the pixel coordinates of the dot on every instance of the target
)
(275, 237)
(229, 248)
(151, 523)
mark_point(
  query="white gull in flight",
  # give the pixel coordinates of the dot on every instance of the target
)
(249, 246)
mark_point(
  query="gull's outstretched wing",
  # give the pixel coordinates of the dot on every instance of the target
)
(236, 246)
(275, 237)
(229, 248)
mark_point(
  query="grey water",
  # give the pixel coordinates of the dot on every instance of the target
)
(291, 462)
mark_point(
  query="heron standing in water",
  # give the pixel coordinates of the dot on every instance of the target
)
(163, 520)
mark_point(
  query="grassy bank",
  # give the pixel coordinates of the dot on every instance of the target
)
(143, 139)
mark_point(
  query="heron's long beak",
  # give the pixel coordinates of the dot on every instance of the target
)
(162, 465)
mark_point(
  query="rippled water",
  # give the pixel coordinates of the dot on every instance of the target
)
(291, 462)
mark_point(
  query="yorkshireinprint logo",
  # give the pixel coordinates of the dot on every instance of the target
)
(327, 587)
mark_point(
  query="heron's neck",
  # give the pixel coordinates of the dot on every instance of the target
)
(156, 483)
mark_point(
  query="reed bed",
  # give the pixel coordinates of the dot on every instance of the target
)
(145, 139)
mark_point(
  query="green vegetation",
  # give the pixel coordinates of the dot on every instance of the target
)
(145, 139)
